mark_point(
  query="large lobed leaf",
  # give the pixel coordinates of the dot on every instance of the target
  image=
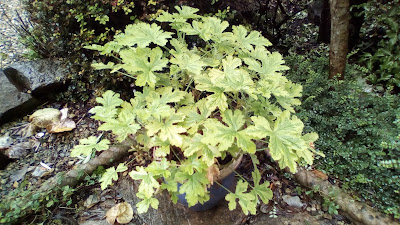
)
(87, 145)
(111, 175)
(225, 136)
(142, 34)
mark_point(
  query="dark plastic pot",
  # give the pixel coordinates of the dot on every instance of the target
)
(217, 193)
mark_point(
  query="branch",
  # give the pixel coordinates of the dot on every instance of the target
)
(357, 211)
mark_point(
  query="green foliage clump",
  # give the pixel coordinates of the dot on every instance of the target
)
(59, 29)
(205, 90)
(352, 121)
(16, 206)
(382, 27)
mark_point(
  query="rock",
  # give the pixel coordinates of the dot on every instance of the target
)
(19, 174)
(12, 101)
(19, 150)
(5, 142)
(171, 214)
(300, 218)
(292, 201)
(40, 171)
(41, 77)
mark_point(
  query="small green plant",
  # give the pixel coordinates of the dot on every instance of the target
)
(331, 206)
(15, 206)
(203, 94)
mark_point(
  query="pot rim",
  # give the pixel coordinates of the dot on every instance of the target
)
(229, 169)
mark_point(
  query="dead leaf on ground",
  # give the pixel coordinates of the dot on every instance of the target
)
(27, 130)
(122, 212)
(19, 150)
(61, 126)
(44, 117)
(320, 174)
(54, 120)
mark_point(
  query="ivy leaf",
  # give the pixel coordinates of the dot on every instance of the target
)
(194, 187)
(168, 131)
(247, 41)
(148, 184)
(142, 63)
(111, 174)
(266, 64)
(122, 126)
(87, 145)
(226, 135)
(142, 34)
(261, 190)
(247, 201)
(143, 206)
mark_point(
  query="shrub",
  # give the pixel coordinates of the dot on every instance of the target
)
(381, 49)
(207, 92)
(352, 122)
(60, 28)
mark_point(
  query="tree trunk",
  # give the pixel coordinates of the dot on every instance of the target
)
(340, 18)
(358, 212)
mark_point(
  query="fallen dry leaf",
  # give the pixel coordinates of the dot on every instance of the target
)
(44, 117)
(61, 126)
(320, 174)
(122, 212)
(212, 172)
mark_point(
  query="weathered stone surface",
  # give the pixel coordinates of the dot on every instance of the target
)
(39, 76)
(12, 101)
(300, 218)
(171, 214)
(10, 96)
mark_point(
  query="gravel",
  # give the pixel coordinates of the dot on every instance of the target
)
(11, 49)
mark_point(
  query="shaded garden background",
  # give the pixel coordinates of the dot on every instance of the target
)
(354, 112)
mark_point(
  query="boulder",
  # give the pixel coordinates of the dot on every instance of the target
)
(12, 101)
(171, 214)
(41, 77)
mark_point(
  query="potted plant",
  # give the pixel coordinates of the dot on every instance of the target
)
(205, 92)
